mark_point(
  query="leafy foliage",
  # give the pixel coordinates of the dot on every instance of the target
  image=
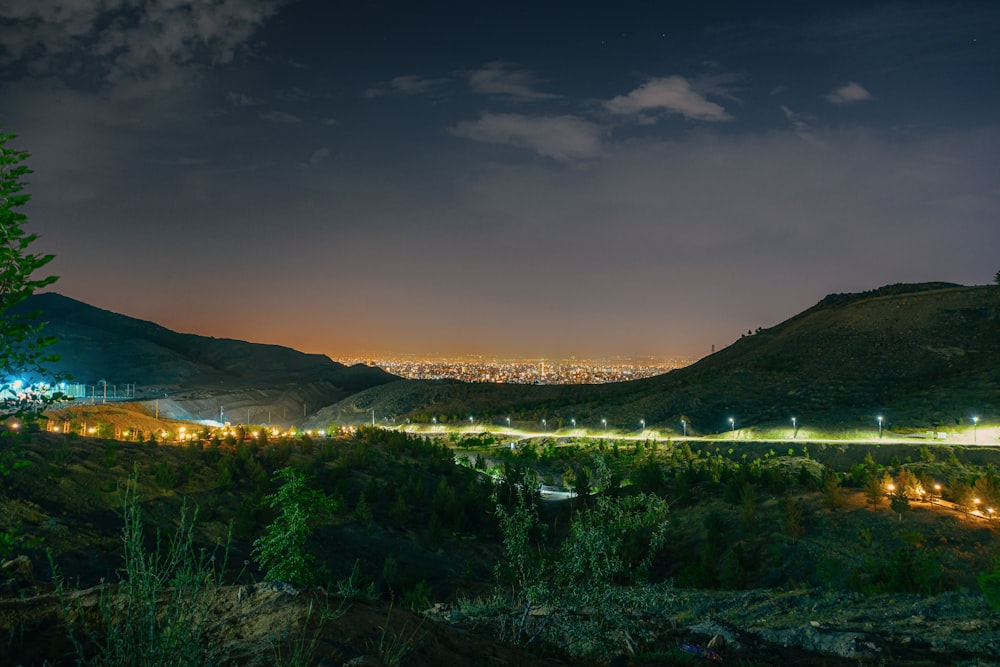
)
(280, 551)
(21, 341)
(989, 583)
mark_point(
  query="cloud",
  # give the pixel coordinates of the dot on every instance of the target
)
(242, 99)
(280, 117)
(802, 124)
(563, 138)
(849, 94)
(128, 41)
(499, 79)
(409, 85)
(319, 155)
(674, 94)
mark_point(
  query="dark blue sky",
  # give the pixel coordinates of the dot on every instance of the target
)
(502, 177)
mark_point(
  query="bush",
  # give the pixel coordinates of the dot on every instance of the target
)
(160, 610)
(280, 550)
(989, 584)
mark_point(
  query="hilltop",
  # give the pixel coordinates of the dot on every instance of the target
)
(923, 355)
(192, 376)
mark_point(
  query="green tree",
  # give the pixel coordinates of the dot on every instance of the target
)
(793, 517)
(280, 551)
(832, 495)
(22, 345)
(873, 490)
(996, 278)
(899, 503)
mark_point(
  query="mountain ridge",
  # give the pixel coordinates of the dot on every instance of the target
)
(922, 354)
(198, 374)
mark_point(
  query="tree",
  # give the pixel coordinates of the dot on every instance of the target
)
(832, 496)
(280, 551)
(873, 490)
(22, 346)
(899, 503)
(996, 278)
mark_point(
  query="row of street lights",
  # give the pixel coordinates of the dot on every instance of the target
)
(732, 425)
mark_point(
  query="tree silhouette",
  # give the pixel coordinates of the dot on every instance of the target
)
(22, 346)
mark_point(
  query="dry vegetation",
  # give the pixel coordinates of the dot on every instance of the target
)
(763, 546)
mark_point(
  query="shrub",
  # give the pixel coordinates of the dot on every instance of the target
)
(989, 584)
(280, 551)
(158, 615)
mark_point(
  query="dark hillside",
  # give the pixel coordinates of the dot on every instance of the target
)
(96, 344)
(925, 355)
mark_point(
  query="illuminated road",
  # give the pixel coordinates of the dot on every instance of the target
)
(985, 436)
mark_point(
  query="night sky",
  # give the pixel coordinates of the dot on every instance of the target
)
(502, 177)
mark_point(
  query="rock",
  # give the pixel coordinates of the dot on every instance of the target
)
(279, 587)
(843, 644)
(19, 569)
(364, 661)
(713, 629)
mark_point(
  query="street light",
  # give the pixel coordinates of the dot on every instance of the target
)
(545, 426)
(508, 422)
(684, 427)
(795, 428)
(574, 422)
(880, 426)
(605, 422)
(642, 424)
(732, 427)
(975, 428)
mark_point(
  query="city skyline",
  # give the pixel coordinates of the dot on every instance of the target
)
(508, 179)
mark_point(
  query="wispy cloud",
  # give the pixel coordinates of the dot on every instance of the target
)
(501, 79)
(408, 85)
(242, 99)
(563, 138)
(801, 123)
(131, 42)
(280, 117)
(673, 94)
(849, 94)
(318, 156)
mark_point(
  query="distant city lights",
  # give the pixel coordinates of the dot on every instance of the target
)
(523, 371)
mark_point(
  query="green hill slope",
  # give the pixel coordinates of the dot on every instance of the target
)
(921, 355)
